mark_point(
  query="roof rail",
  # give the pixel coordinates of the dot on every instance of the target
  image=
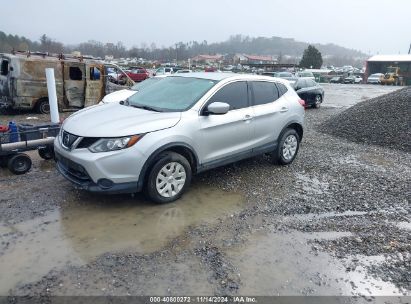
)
(59, 56)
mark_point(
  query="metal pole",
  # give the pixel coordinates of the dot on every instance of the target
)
(51, 87)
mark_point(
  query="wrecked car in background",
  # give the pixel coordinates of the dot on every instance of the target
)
(80, 82)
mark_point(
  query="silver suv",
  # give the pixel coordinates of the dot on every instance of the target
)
(158, 138)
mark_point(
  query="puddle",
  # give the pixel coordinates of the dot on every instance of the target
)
(77, 234)
(287, 264)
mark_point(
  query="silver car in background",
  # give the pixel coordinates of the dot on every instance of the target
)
(375, 78)
(157, 139)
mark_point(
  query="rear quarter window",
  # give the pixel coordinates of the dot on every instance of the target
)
(282, 89)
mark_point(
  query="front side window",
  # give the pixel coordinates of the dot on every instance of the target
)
(264, 92)
(235, 94)
(172, 94)
(4, 67)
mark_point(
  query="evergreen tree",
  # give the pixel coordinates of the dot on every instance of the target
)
(312, 58)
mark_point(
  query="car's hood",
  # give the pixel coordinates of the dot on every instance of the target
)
(114, 120)
(118, 96)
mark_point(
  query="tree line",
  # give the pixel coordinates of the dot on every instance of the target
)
(283, 48)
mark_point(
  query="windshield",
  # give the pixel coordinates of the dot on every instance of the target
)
(145, 83)
(172, 94)
(285, 74)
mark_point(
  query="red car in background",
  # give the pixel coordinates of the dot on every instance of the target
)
(137, 74)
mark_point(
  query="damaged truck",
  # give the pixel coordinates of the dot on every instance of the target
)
(80, 82)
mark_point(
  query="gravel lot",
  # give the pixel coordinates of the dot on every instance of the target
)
(383, 121)
(335, 222)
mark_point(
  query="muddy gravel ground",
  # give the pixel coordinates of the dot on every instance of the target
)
(335, 222)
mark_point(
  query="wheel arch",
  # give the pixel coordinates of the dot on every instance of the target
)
(179, 147)
(297, 127)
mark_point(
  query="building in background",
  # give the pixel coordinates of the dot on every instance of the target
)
(386, 63)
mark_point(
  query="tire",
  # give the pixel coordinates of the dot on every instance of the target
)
(317, 101)
(178, 179)
(19, 163)
(46, 152)
(289, 140)
(43, 106)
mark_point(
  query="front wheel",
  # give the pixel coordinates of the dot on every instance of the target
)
(168, 178)
(287, 149)
(46, 152)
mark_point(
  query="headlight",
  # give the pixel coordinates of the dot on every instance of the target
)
(113, 144)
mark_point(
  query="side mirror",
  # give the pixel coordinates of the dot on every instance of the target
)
(217, 108)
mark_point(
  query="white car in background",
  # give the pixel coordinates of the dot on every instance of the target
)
(183, 71)
(305, 74)
(121, 95)
(164, 71)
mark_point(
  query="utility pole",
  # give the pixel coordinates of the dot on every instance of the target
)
(176, 53)
(409, 50)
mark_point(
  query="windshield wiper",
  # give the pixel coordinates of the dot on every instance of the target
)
(144, 107)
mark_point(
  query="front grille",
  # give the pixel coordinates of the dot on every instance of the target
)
(68, 139)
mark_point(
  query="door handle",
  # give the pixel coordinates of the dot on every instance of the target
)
(284, 109)
(247, 117)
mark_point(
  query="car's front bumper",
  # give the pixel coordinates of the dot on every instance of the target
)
(108, 172)
(89, 185)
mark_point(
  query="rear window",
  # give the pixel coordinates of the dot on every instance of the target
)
(311, 83)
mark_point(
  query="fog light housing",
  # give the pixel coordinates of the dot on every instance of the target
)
(105, 183)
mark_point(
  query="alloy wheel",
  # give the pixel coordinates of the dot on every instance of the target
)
(290, 147)
(170, 179)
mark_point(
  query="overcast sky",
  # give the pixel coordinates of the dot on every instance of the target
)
(372, 26)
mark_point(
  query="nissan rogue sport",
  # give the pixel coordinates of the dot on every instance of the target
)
(159, 137)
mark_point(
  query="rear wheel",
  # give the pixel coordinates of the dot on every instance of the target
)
(168, 178)
(317, 101)
(288, 146)
(19, 163)
(43, 106)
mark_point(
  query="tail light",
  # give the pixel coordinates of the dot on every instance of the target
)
(302, 102)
